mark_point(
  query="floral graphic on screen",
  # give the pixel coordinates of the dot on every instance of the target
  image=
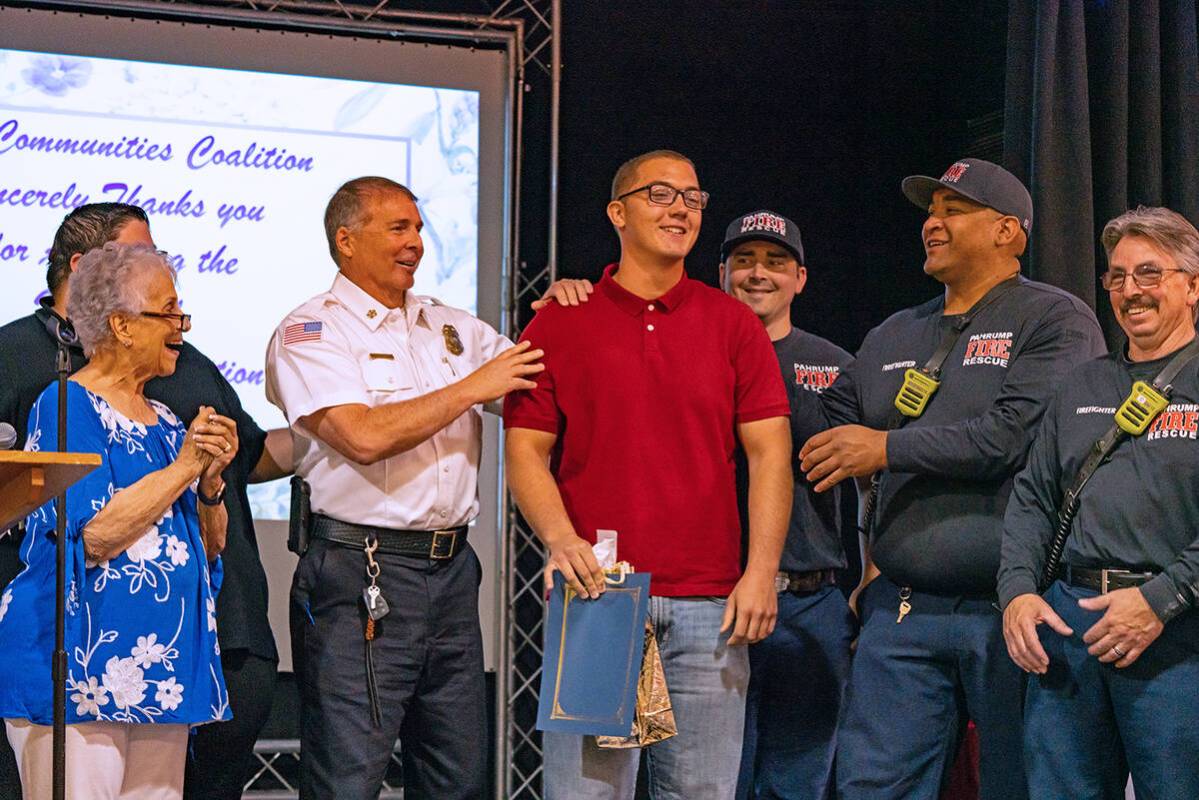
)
(81, 117)
(56, 75)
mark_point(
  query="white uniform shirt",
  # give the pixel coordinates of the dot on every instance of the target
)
(344, 347)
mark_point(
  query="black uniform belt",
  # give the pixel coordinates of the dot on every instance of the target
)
(801, 582)
(440, 545)
(1106, 580)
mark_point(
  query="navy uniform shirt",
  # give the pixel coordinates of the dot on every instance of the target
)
(810, 365)
(1139, 511)
(939, 515)
(27, 366)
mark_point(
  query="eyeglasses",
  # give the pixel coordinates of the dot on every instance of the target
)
(663, 194)
(182, 321)
(1144, 276)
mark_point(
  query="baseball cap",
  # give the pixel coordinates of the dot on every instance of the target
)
(982, 182)
(758, 225)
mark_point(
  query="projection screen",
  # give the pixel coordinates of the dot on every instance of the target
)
(232, 139)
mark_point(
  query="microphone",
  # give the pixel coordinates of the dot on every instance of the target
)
(8, 436)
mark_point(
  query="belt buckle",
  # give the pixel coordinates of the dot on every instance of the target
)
(782, 582)
(438, 551)
(1103, 578)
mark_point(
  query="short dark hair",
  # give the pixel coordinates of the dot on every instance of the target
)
(347, 206)
(86, 228)
(624, 175)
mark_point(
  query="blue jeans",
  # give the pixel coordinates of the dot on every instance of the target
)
(912, 688)
(707, 680)
(1088, 724)
(797, 679)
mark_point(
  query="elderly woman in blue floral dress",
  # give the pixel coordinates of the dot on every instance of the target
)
(143, 535)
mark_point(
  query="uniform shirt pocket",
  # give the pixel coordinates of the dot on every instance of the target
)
(382, 374)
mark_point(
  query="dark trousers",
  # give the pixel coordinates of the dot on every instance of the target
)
(912, 688)
(221, 758)
(428, 662)
(1087, 724)
(796, 683)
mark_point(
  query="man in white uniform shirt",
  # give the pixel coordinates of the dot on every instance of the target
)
(383, 390)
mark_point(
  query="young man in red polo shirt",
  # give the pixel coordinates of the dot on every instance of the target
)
(647, 389)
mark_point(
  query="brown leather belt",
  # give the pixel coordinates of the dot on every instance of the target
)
(804, 582)
(440, 545)
(1106, 580)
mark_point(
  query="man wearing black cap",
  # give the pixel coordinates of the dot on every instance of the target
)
(940, 407)
(788, 746)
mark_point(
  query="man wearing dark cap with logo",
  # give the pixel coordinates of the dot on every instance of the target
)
(790, 724)
(940, 407)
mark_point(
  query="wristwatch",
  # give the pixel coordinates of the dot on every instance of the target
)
(216, 499)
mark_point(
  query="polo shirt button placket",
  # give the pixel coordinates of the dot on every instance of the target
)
(651, 341)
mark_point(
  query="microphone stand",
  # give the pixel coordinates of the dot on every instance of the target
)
(59, 666)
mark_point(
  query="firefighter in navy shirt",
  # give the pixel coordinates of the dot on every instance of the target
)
(930, 653)
(1116, 664)
(790, 724)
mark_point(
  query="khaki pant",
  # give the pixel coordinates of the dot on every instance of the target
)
(105, 760)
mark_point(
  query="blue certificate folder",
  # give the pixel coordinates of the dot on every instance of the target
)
(593, 651)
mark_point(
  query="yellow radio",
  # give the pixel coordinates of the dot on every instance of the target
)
(1139, 408)
(918, 388)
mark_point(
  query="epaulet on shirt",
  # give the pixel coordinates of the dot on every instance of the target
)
(1060, 293)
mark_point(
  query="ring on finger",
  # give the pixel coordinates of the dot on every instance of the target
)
(1116, 649)
(228, 447)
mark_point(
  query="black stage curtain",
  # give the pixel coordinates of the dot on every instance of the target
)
(1102, 114)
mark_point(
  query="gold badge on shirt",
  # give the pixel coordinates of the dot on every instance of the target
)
(452, 342)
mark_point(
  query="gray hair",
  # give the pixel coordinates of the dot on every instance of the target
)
(1169, 231)
(347, 207)
(110, 280)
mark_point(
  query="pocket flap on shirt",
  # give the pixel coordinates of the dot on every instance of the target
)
(382, 374)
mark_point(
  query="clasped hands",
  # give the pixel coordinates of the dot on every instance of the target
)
(209, 447)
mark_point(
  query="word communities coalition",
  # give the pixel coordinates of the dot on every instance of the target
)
(206, 152)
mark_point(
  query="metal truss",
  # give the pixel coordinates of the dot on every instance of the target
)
(277, 771)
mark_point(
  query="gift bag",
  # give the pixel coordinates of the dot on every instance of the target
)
(653, 719)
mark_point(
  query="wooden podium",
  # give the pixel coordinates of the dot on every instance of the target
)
(30, 479)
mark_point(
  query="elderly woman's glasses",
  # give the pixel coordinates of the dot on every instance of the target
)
(663, 194)
(182, 321)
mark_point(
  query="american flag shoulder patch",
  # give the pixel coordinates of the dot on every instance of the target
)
(302, 332)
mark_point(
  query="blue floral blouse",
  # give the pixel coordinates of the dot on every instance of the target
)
(141, 636)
